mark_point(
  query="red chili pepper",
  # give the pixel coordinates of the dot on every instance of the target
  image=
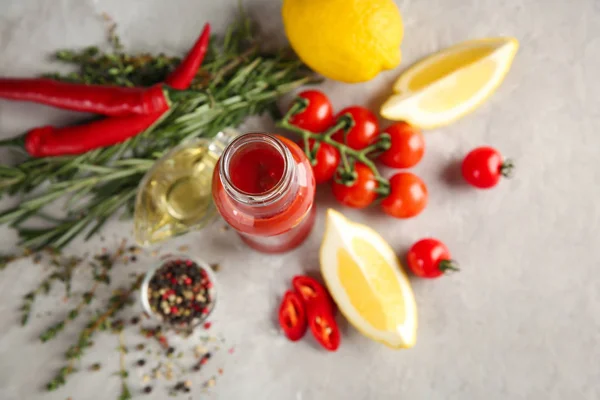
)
(113, 101)
(49, 141)
(184, 74)
(312, 291)
(292, 316)
(324, 328)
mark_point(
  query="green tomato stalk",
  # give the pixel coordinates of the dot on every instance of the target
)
(346, 173)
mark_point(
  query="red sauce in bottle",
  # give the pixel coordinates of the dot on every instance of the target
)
(264, 188)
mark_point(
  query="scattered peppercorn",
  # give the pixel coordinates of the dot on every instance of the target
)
(170, 350)
(135, 320)
(181, 293)
(203, 360)
(141, 362)
(95, 367)
(148, 389)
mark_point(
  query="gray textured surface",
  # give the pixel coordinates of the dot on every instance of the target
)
(521, 321)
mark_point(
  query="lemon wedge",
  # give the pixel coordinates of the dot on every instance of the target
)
(367, 282)
(451, 83)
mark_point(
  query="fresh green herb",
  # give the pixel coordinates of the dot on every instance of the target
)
(236, 81)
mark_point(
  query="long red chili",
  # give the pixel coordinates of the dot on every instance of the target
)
(113, 101)
(49, 141)
(184, 74)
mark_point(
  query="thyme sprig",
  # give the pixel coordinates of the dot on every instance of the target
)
(115, 304)
(100, 276)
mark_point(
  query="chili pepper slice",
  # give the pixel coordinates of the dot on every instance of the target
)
(49, 141)
(324, 328)
(184, 74)
(112, 101)
(312, 291)
(292, 316)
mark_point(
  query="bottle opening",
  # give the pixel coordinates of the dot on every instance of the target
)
(256, 168)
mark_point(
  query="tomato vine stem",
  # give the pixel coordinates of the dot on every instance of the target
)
(348, 156)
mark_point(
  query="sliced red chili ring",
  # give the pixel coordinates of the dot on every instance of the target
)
(312, 291)
(292, 316)
(324, 328)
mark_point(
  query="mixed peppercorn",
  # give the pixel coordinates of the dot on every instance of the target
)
(181, 293)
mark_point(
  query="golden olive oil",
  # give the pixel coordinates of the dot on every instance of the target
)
(175, 195)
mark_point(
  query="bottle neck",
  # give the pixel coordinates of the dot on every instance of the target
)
(271, 157)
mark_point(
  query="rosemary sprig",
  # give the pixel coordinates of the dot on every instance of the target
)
(235, 82)
(115, 304)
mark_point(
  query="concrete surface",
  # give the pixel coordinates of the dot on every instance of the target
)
(520, 321)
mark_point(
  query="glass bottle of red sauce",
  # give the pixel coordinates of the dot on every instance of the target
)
(264, 188)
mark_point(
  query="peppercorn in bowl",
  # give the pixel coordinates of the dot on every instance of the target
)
(179, 292)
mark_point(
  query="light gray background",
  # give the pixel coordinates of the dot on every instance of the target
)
(522, 319)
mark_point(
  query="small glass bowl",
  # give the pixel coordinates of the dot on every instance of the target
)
(213, 291)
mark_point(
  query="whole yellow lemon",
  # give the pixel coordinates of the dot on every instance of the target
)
(345, 40)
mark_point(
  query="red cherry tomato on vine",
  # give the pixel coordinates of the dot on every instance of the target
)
(328, 158)
(365, 129)
(361, 193)
(407, 146)
(430, 258)
(408, 196)
(483, 167)
(317, 116)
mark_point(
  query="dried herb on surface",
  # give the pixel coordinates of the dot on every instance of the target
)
(63, 272)
(115, 304)
(100, 275)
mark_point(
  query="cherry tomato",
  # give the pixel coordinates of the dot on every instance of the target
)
(483, 167)
(430, 258)
(408, 196)
(361, 193)
(292, 316)
(365, 129)
(324, 328)
(407, 147)
(318, 115)
(328, 158)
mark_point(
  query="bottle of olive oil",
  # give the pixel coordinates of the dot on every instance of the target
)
(174, 196)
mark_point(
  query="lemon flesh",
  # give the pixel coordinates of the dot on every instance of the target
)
(345, 40)
(367, 282)
(447, 85)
